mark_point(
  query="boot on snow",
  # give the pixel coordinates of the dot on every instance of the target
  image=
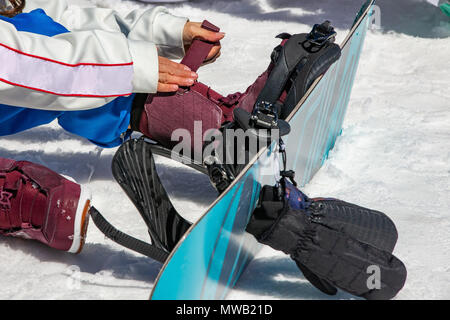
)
(37, 203)
(334, 243)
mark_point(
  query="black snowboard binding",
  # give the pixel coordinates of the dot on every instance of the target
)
(334, 243)
(296, 64)
(133, 167)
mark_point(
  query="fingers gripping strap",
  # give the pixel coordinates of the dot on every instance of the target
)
(199, 49)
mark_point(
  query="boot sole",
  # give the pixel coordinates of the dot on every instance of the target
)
(81, 222)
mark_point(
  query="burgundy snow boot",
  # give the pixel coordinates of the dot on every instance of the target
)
(260, 112)
(196, 103)
(295, 64)
(37, 203)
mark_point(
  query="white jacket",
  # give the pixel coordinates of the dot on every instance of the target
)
(105, 55)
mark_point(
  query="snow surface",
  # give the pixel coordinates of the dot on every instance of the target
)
(393, 155)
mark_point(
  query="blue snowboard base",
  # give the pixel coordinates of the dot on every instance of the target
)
(211, 256)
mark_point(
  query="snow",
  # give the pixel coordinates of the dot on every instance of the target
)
(393, 155)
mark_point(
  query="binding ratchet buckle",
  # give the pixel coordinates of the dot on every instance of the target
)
(322, 33)
(265, 115)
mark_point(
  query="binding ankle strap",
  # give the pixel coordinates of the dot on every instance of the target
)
(199, 49)
(126, 240)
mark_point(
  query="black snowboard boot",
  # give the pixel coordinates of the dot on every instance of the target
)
(334, 243)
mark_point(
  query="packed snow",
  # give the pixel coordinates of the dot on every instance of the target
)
(393, 156)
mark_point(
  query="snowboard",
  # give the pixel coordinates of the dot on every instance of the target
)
(443, 4)
(214, 252)
(446, 8)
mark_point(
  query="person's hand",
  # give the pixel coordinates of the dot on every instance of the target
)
(193, 30)
(173, 75)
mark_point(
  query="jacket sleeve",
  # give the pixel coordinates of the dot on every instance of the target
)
(153, 24)
(73, 71)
